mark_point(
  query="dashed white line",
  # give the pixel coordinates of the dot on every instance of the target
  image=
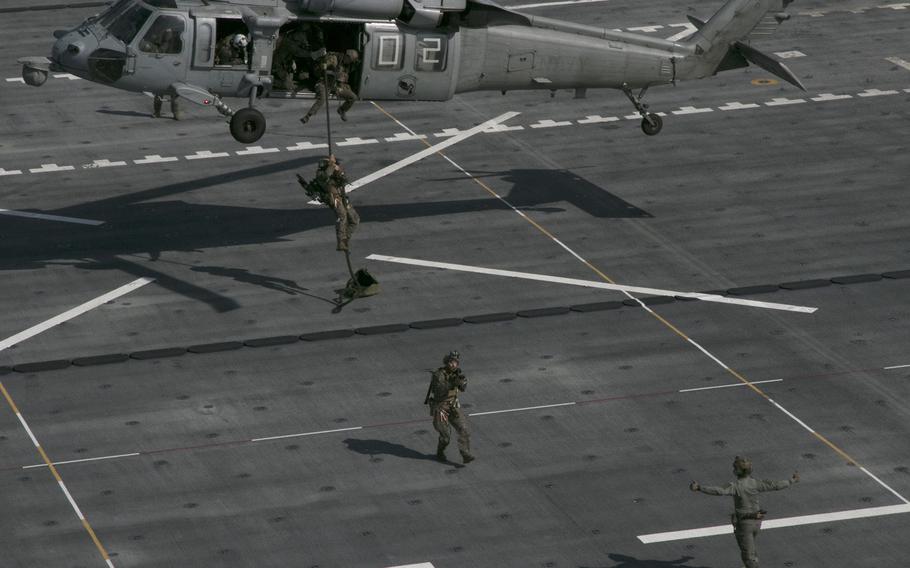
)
(306, 146)
(782, 101)
(45, 168)
(405, 136)
(206, 154)
(67, 76)
(77, 311)
(692, 110)
(105, 163)
(824, 97)
(789, 54)
(738, 106)
(646, 29)
(357, 141)
(778, 523)
(597, 119)
(46, 217)
(16, 80)
(590, 283)
(10, 172)
(496, 128)
(155, 159)
(896, 367)
(256, 150)
(876, 93)
(731, 385)
(547, 123)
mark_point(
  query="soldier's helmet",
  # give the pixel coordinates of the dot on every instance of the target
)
(742, 466)
(451, 356)
(239, 41)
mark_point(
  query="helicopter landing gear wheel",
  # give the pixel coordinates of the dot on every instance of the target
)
(651, 124)
(247, 125)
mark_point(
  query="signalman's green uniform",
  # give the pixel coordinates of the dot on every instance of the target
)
(747, 514)
(442, 397)
(328, 188)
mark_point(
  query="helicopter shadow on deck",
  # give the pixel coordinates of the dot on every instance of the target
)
(142, 225)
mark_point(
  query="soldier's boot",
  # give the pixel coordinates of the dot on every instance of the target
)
(175, 108)
(156, 107)
(467, 458)
(441, 456)
(343, 114)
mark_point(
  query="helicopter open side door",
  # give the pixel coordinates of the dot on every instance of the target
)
(402, 63)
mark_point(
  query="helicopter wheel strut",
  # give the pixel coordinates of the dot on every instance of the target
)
(247, 125)
(651, 123)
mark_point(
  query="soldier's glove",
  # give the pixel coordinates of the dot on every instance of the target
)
(795, 478)
(694, 486)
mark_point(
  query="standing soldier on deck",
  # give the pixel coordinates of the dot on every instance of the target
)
(442, 396)
(747, 514)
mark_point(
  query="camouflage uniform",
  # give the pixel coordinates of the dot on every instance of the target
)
(292, 53)
(328, 188)
(447, 381)
(747, 514)
(158, 101)
(340, 65)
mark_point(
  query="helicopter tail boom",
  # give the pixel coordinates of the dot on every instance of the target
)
(719, 44)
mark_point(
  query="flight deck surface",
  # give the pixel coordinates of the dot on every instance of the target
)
(217, 408)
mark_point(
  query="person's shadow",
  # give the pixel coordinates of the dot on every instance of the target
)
(631, 562)
(377, 447)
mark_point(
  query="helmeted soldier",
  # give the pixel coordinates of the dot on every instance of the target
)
(442, 396)
(292, 58)
(328, 188)
(747, 514)
(334, 70)
(232, 50)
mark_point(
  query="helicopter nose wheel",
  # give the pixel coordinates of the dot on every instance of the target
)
(651, 124)
(247, 125)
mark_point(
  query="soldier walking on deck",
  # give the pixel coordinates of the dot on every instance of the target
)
(747, 514)
(442, 396)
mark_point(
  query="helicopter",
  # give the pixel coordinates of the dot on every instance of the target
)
(206, 51)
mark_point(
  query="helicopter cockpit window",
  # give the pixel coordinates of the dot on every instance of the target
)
(164, 36)
(128, 24)
(111, 13)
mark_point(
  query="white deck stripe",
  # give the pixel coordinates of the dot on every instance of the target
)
(421, 565)
(28, 430)
(45, 217)
(731, 385)
(521, 409)
(897, 367)
(899, 62)
(590, 283)
(427, 152)
(306, 434)
(70, 314)
(82, 460)
(779, 523)
(71, 500)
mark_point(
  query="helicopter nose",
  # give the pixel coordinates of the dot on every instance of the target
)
(71, 51)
